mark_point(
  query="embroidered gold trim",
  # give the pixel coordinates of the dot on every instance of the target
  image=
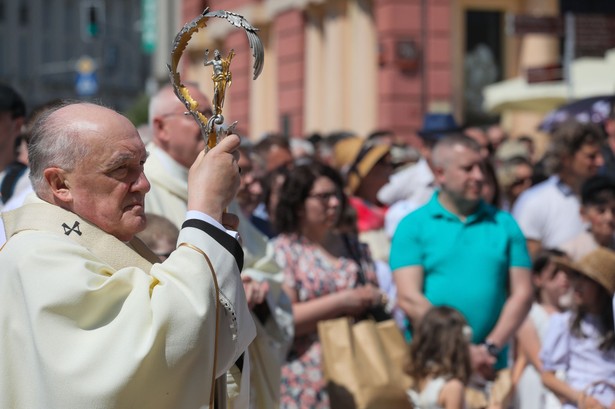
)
(215, 279)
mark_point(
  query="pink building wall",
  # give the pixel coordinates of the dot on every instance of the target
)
(403, 95)
(289, 30)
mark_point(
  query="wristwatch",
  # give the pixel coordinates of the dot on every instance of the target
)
(492, 348)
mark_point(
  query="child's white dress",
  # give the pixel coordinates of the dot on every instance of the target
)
(428, 397)
(580, 358)
(530, 392)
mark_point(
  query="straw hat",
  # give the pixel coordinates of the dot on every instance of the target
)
(346, 153)
(599, 265)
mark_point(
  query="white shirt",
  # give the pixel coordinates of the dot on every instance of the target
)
(406, 191)
(415, 183)
(549, 213)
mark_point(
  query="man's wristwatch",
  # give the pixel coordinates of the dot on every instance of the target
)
(492, 348)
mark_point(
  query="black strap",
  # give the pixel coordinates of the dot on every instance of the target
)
(221, 237)
(13, 172)
(353, 245)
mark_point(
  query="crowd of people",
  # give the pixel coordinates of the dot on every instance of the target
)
(139, 272)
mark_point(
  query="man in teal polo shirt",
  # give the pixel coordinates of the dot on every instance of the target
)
(461, 252)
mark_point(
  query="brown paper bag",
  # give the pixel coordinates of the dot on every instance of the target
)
(363, 364)
(500, 393)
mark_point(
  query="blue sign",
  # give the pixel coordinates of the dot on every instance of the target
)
(86, 84)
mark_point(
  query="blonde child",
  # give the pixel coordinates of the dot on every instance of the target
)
(440, 360)
(581, 342)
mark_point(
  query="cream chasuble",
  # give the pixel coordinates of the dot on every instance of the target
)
(87, 322)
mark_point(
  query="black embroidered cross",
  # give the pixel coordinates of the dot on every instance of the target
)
(68, 230)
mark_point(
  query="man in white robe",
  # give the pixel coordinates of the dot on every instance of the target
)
(176, 140)
(88, 318)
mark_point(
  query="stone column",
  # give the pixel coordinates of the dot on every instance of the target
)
(361, 84)
(334, 61)
(314, 78)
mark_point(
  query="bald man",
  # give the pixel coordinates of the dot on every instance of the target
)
(176, 142)
(461, 252)
(89, 318)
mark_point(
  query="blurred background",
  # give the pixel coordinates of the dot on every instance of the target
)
(330, 65)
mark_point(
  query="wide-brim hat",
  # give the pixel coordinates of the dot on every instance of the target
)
(355, 159)
(438, 125)
(599, 265)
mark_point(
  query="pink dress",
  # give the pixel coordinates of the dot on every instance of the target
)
(312, 275)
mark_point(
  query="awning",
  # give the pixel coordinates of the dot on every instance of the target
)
(590, 77)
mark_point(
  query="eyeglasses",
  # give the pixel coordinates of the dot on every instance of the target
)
(324, 197)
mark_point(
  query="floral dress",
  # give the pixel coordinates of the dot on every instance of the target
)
(311, 274)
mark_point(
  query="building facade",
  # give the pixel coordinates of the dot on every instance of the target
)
(87, 49)
(330, 65)
(359, 65)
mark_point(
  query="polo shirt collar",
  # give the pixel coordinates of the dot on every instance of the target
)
(561, 186)
(438, 211)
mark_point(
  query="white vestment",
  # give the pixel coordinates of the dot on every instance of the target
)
(274, 322)
(88, 321)
(168, 197)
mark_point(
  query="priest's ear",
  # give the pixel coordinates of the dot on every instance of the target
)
(160, 130)
(58, 184)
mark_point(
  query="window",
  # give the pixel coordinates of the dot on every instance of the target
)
(483, 63)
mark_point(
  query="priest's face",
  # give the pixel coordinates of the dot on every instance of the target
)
(108, 187)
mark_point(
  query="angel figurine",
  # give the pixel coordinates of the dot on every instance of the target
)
(213, 129)
(221, 77)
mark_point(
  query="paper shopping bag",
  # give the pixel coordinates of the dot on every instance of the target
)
(363, 364)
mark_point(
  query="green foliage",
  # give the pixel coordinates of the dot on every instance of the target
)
(137, 113)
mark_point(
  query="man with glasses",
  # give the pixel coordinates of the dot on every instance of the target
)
(176, 142)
